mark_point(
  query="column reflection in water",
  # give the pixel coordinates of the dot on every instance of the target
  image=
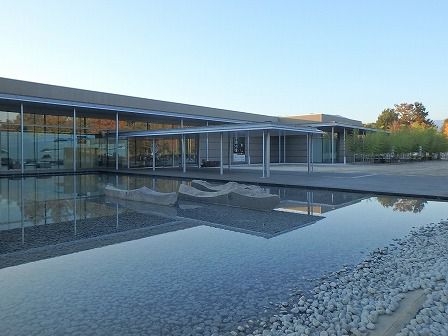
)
(22, 208)
(75, 204)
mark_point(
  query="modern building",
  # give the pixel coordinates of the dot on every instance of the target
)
(47, 127)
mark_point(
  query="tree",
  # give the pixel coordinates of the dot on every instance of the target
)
(354, 142)
(402, 204)
(413, 114)
(445, 127)
(386, 119)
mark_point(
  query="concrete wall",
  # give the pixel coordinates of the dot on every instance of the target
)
(295, 148)
(296, 151)
(213, 147)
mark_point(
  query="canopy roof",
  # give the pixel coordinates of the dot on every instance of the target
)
(336, 124)
(283, 129)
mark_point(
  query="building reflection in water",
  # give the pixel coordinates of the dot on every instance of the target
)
(42, 217)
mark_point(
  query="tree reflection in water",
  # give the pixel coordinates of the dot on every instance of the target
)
(402, 204)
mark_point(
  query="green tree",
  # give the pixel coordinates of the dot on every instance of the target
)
(386, 119)
(354, 142)
(377, 143)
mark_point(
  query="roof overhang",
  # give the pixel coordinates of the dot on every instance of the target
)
(342, 125)
(250, 127)
(110, 108)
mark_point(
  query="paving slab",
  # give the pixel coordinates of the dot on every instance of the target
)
(390, 325)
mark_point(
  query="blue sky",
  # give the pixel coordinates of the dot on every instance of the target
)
(352, 58)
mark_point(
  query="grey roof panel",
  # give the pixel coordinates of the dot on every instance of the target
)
(32, 89)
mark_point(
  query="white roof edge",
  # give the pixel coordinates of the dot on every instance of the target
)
(222, 128)
(335, 123)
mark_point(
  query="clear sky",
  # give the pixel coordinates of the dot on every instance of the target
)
(352, 58)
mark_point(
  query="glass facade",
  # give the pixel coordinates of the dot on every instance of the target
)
(95, 140)
(325, 144)
(60, 138)
(10, 138)
(50, 143)
(167, 150)
(47, 138)
(52, 139)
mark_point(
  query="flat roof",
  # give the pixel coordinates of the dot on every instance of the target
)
(338, 124)
(222, 128)
(13, 89)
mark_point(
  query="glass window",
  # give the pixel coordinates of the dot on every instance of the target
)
(10, 139)
(47, 138)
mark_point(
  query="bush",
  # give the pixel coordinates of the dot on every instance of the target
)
(406, 142)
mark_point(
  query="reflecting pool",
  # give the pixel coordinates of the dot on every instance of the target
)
(75, 262)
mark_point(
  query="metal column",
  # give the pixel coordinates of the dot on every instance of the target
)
(174, 141)
(116, 141)
(229, 150)
(206, 145)
(279, 147)
(284, 148)
(332, 144)
(153, 154)
(248, 147)
(268, 154)
(74, 139)
(263, 152)
(221, 165)
(345, 153)
(182, 149)
(312, 152)
(129, 163)
(22, 163)
(308, 152)
(198, 150)
(184, 159)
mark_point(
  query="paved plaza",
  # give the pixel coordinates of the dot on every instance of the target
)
(419, 179)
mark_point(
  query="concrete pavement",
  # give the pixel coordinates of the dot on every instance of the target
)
(425, 179)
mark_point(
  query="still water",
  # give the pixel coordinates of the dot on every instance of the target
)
(75, 262)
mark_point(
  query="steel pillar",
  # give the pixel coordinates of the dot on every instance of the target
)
(263, 161)
(184, 159)
(308, 153)
(22, 156)
(116, 140)
(74, 140)
(268, 154)
(248, 147)
(332, 144)
(153, 154)
(221, 164)
(345, 151)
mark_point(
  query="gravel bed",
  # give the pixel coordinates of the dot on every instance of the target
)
(350, 301)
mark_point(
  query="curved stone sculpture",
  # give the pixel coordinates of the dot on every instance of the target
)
(142, 194)
(145, 207)
(246, 198)
(231, 194)
(229, 186)
(188, 193)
